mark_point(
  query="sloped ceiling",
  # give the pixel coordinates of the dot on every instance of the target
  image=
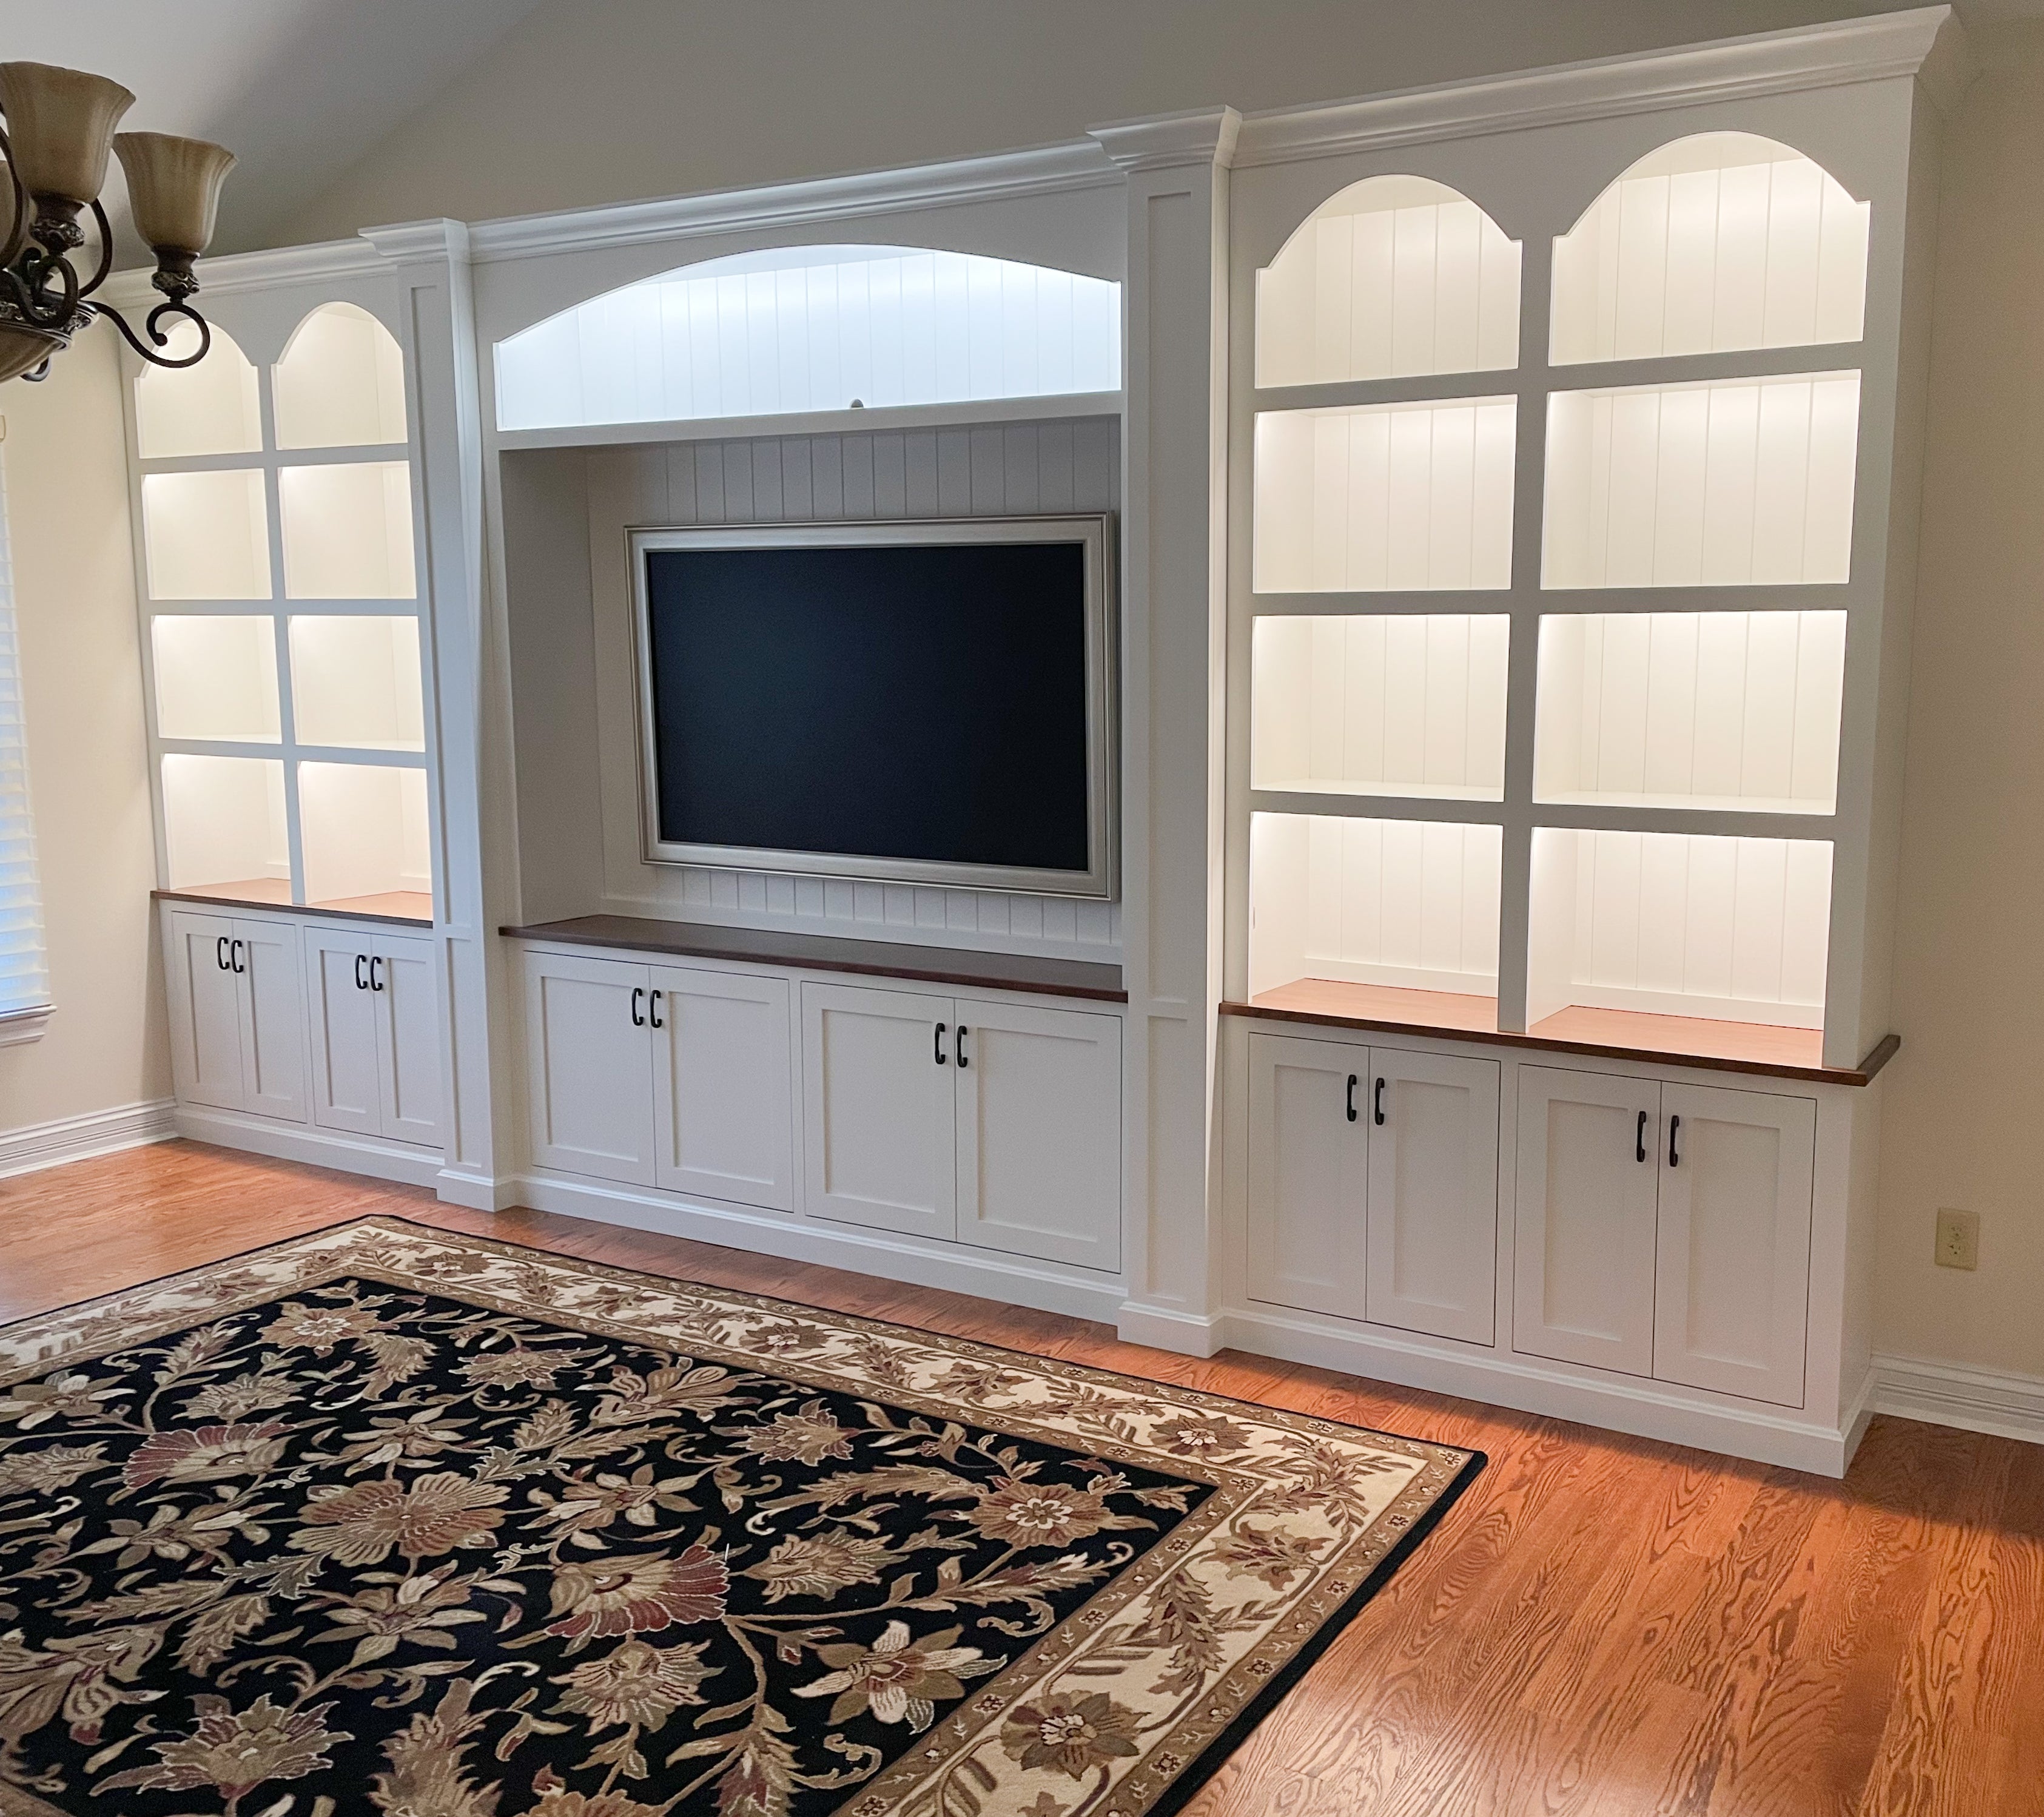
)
(298, 89)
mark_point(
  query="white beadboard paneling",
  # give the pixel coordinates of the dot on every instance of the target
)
(1393, 276)
(1407, 705)
(1715, 243)
(1406, 902)
(1718, 710)
(1009, 469)
(1728, 482)
(1675, 924)
(1382, 497)
(813, 328)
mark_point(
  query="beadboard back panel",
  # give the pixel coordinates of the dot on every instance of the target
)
(1002, 470)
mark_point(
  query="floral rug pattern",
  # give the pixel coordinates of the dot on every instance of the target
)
(391, 1520)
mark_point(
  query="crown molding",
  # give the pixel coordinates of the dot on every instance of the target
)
(232, 272)
(1926, 40)
(1044, 170)
(409, 242)
(1200, 136)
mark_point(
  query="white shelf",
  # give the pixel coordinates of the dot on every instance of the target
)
(1378, 498)
(1679, 924)
(224, 820)
(217, 677)
(211, 408)
(363, 829)
(1712, 244)
(1409, 903)
(355, 681)
(1403, 705)
(1734, 710)
(1393, 276)
(1735, 482)
(340, 383)
(347, 531)
(207, 535)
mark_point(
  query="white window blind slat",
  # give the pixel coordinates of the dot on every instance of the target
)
(24, 978)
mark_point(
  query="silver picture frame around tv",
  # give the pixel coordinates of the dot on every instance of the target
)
(1092, 531)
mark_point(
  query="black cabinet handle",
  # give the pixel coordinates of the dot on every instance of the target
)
(1376, 1102)
(1639, 1140)
(235, 949)
(638, 996)
(1674, 1123)
(376, 972)
(939, 1046)
(1351, 1100)
(220, 954)
(958, 1046)
(361, 962)
(655, 1006)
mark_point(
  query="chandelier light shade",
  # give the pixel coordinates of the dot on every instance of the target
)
(58, 132)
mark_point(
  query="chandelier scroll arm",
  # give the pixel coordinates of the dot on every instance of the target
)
(174, 307)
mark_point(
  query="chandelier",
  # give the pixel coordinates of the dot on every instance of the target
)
(59, 129)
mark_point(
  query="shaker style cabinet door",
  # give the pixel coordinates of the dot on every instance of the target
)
(273, 1021)
(589, 1041)
(402, 988)
(879, 1116)
(1589, 1168)
(1039, 1131)
(346, 1092)
(1432, 1260)
(723, 1086)
(205, 1011)
(1308, 1174)
(1732, 1294)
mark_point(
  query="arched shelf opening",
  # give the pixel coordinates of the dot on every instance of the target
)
(1391, 277)
(1712, 244)
(340, 381)
(811, 329)
(211, 408)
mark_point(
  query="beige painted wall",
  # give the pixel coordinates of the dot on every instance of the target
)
(74, 601)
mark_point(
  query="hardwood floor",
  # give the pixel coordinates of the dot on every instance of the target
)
(1602, 1627)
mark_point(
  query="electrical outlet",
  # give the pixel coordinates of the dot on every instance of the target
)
(1958, 1239)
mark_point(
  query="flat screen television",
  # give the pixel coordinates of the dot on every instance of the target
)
(928, 703)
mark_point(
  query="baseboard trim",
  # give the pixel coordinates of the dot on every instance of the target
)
(316, 1147)
(1010, 1281)
(1995, 1401)
(478, 1191)
(1165, 1328)
(38, 1145)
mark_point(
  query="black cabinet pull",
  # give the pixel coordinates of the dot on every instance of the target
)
(376, 972)
(1639, 1140)
(235, 949)
(655, 1006)
(638, 996)
(361, 962)
(958, 1046)
(1376, 1102)
(220, 954)
(939, 1044)
(1674, 1123)
(1351, 1100)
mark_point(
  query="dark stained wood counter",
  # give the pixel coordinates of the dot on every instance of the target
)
(830, 952)
(396, 908)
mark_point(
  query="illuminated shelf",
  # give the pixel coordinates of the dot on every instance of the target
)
(211, 408)
(355, 681)
(364, 831)
(340, 383)
(217, 677)
(207, 535)
(223, 821)
(347, 531)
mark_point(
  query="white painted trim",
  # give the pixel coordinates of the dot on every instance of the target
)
(1185, 1333)
(260, 271)
(1997, 1401)
(39, 1145)
(478, 1191)
(22, 1026)
(1201, 136)
(399, 1161)
(954, 1267)
(1039, 170)
(1730, 69)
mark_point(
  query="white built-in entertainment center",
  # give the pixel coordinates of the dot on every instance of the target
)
(1509, 494)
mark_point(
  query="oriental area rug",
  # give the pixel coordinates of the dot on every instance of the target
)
(389, 1520)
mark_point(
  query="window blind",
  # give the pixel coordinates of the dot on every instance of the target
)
(24, 978)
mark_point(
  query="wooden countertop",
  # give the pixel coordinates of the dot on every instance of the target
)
(831, 953)
(397, 908)
(1617, 1034)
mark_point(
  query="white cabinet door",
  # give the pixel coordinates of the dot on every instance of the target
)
(347, 1093)
(265, 957)
(1432, 1260)
(1308, 1173)
(590, 1047)
(408, 1037)
(1589, 1164)
(1733, 1283)
(205, 1010)
(1039, 1131)
(879, 1119)
(723, 1086)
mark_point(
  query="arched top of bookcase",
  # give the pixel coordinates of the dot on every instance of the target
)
(811, 329)
(1393, 276)
(211, 408)
(340, 382)
(1714, 243)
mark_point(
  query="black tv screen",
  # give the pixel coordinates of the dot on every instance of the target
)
(925, 703)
